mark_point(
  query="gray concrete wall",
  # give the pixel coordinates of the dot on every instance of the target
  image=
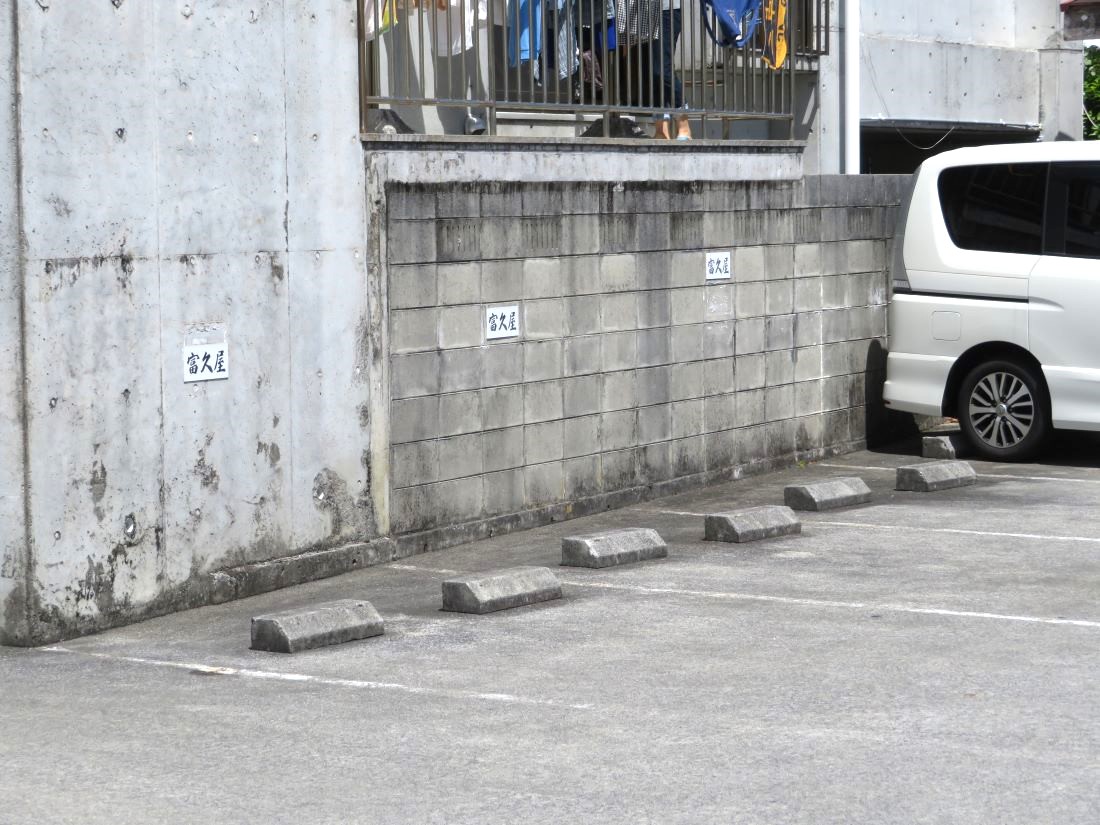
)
(183, 165)
(13, 544)
(161, 183)
(633, 375)
(976, 62)
(983, 61)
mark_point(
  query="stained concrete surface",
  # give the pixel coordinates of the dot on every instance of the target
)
(919, 659)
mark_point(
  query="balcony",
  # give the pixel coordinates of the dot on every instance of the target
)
(610, 69)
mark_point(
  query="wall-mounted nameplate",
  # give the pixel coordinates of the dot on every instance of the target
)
(205, 353)
(718, 265)
(501, 322)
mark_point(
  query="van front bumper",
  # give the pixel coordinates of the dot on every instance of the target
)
(915, 383)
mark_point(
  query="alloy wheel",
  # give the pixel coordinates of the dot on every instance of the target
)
(1001, 409)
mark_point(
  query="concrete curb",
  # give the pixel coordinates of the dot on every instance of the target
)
(827, 495)
(613, 547)
(265, 576)
(500, 590)
(934, 476)
(752, 524)
(332, 623)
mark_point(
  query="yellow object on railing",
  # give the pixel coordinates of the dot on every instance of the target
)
(386, 9)
(775, 33)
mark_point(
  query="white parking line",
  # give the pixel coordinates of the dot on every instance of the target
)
(443, 571)
(861, 606)
(957, 531)
(249, 673)
(672, 512)
(1011, 476)
(915, 528)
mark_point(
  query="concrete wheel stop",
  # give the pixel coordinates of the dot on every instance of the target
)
(935, 475)
(613, 547)
(944, 446)
(752, 524)
(500, 590)
(332, 623)
(827, 495)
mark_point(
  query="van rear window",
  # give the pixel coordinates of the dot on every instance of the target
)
(1073, 222)
(995, 208)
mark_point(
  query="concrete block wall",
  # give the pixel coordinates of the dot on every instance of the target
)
(177, 165)
(633, 374)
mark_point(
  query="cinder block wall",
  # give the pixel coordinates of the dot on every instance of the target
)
(633, 375)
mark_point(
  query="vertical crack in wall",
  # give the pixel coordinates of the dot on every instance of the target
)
(288, 273)
(29, 593)
(161, 532)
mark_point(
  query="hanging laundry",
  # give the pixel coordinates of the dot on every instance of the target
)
(736, 20)
(379, 16)
(565, 38)
(524, 25)
(637, 20)
(452, 23)
(775, 33)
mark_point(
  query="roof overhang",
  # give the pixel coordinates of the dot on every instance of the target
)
(1023, 130)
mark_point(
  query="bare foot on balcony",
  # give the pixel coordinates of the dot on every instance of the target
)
(683, 128)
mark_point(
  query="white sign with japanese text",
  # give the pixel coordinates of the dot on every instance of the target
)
(205, 362)
(501, 322)
(718, 265)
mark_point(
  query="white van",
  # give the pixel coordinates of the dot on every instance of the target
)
(995, 313)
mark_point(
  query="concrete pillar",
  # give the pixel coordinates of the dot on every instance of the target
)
(852, 105)
(824, 155)
(1061, 87)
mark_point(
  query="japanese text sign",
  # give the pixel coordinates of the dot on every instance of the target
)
(501, 322)
(205, 362)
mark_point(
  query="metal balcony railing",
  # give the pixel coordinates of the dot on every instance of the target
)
(590, 68)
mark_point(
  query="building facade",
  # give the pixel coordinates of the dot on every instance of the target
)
(186, 194)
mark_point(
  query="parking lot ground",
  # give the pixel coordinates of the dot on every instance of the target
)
(924, 658)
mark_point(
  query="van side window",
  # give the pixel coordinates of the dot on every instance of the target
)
(995, 208)
(1073, 219)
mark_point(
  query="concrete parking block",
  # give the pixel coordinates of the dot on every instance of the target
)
(332, 623)
(613, 547)
(500, 590)
(950, 446)
(752, 524)
(827, 495)
(935, 475)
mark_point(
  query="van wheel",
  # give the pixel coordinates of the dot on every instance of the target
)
(1003, 411)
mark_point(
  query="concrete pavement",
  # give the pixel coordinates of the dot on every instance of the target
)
(925, 658)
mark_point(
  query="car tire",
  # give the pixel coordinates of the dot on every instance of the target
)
(1004, 411)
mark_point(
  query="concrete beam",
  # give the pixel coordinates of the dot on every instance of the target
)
(613, 547)
(827, 495)
(753, 524)
(333, 623)
(934, 476)
(500, 590)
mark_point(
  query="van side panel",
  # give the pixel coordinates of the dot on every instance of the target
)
(915, 382)
(1065, 324)
(928, 333)
(1073, 397)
